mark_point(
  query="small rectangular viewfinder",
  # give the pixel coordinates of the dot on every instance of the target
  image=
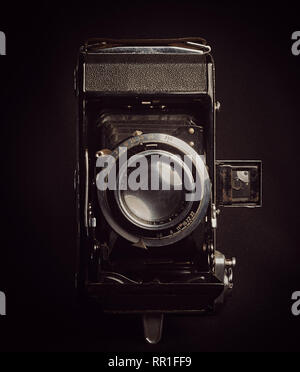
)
(239, 183)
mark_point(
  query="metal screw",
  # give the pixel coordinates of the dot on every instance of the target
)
(137, 133)
(191, 131)
(192, 144)
(230, 263)
(103, 153)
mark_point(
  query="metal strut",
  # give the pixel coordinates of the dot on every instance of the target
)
(153, 326)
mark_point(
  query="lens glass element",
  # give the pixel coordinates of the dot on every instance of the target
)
(161, 198)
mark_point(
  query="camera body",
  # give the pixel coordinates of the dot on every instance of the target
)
(143, 251)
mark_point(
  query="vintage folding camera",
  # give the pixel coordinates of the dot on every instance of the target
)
(145, 250)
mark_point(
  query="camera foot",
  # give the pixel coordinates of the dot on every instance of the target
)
(153, 326)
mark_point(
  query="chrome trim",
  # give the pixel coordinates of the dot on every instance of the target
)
(86, 201)
(155, 50)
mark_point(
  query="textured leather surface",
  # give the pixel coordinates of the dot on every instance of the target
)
(146, 74)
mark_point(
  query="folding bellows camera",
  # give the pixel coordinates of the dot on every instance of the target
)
(153, 252)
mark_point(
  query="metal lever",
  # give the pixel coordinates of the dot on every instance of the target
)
(153, 326)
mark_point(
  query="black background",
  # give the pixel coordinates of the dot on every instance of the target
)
(258, 85)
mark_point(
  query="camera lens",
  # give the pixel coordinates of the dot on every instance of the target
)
(162, 201)
(152, 207)
(160, 198)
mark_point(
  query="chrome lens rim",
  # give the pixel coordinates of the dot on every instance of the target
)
(167, 236)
